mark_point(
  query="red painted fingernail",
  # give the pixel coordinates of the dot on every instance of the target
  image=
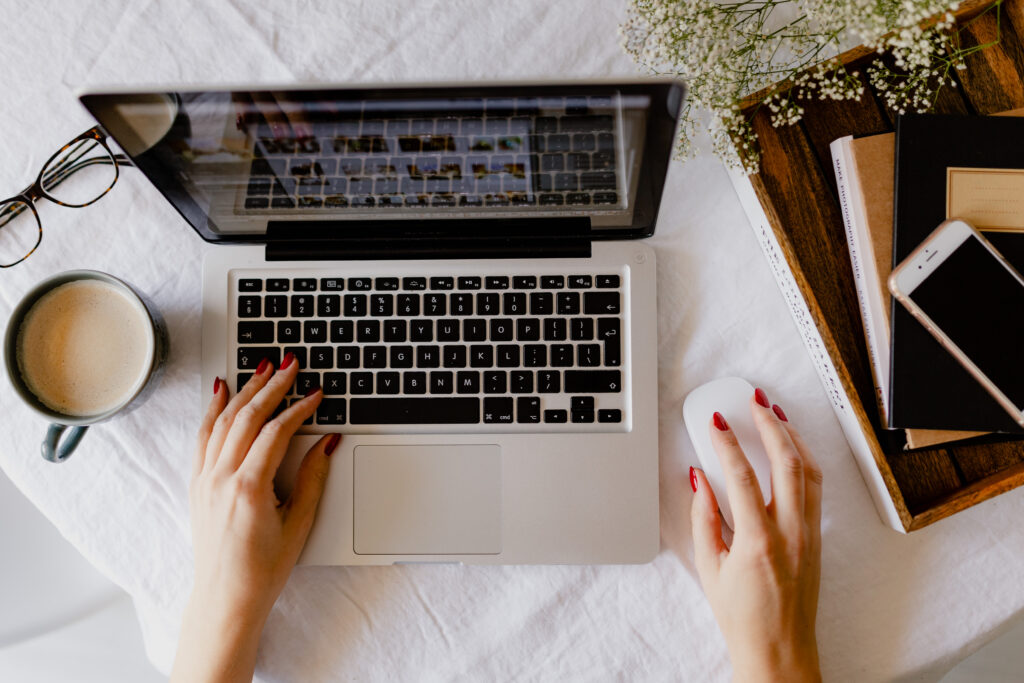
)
(262, 367)
(216, 385)
(761, 398)
(778, 413)
(311, 392)
(288, 358)
(331, 444)
(720, 423)
(693, 479)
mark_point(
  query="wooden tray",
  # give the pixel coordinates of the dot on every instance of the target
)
(797, 189)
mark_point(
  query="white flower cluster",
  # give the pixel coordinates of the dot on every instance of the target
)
(728, 50)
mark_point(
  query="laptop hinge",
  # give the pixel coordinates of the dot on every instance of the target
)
(428, 239)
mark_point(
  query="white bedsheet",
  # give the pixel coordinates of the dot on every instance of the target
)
(892, 606)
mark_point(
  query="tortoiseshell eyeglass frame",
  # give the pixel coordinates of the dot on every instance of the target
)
(60, 171)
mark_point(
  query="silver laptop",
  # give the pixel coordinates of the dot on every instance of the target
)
(459, 267)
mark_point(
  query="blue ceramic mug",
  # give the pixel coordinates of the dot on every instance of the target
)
(54, 448)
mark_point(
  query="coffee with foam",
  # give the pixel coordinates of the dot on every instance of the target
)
(85, 348)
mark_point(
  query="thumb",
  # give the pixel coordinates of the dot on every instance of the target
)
(708, 546)
(309, 487)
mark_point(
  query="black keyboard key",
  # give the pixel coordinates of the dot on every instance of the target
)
(289, 332)
(514, 303)
(609, 416)
(328, 306)
(428, 357)
(401, 356)
(250, 285)
(474, 330)
(375, 356)
(277, 285)
(528, 329)
(249, 357)
(302, 306)
(535, 355)
(421, 330)
(388, 383)
(321, 357)
(442, 283)
(331, 411)
(408, 304)
(552, 282)
(554, 329)
(361, 383)
(549, 381)
(580, 281)
(488, 304)
(608, 330)
(469, 283)
(249, 306)
(522, 382)
(481, 356)
(368, 331)
(395, 331)
(306, 382)
(414, 283)
(414, 382)
(561, 355)
(601, 303)
(335, 383)
(342, 331)
(314, 331)
(524, 282)
(332, 284)
(448, 330)
(577, 198)
(355, 305)
(414, 410)
(434, 304)
(304, 284)
(568, 303)
(498, 410)
(467, 382)
(348, 357)
(299, 352)
(454, 356)
(556, 416)
(360, 284)
(501, 329)
(382, 305)
(607, 281)
(581, 329)
(581, 403)
(606, 197)
(528, 410)
(593, 381)
(582, 416)
(462, 304)
(551, 199)
(496, 282)
(507, 356)
(597, 180)
(441, 382)
(541, 303)
(588, 355)
(240, 381)
(387, 284)
(256, 332)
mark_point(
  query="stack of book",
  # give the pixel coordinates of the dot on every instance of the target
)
(894, 189)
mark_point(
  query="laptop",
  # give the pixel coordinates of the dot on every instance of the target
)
(460, 267)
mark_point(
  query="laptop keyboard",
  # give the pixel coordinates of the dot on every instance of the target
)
(547, 153)
(526, 352)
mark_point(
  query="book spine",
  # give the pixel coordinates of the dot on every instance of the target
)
(842, 166)
(833, 386)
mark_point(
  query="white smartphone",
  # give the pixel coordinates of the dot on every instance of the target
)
(966, 294)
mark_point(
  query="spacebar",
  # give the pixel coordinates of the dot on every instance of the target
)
(413, 411)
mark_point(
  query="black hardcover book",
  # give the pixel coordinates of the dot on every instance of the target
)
(929, 388)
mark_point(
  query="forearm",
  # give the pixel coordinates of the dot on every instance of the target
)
(215, 649)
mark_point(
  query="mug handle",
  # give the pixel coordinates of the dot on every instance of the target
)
(56, 451)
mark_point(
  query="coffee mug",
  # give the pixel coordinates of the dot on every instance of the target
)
(43, 364)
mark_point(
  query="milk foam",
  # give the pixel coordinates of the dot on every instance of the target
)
(84, 347)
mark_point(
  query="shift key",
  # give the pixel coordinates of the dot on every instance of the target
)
(593, 381)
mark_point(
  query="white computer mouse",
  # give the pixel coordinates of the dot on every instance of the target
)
(729, 396)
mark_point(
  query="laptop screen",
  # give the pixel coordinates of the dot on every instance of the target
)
(234, 161)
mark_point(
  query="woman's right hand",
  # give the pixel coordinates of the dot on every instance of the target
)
(763, 589)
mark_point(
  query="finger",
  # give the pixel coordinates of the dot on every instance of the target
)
(310, 482)
(271, 445)
(740, 480)
(812, 481)
(268, 108)
(253, 415)
(213, 410)
(708, 547)
(222, 425)
(787, 467)
(294, 114)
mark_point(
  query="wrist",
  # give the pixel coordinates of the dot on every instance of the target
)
(793, 665)
(217, 643)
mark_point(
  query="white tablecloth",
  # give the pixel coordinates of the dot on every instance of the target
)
(892, 606)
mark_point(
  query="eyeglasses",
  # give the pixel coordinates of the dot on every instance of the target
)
(79, 174)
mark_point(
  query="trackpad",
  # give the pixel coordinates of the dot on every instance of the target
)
(427, 500)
